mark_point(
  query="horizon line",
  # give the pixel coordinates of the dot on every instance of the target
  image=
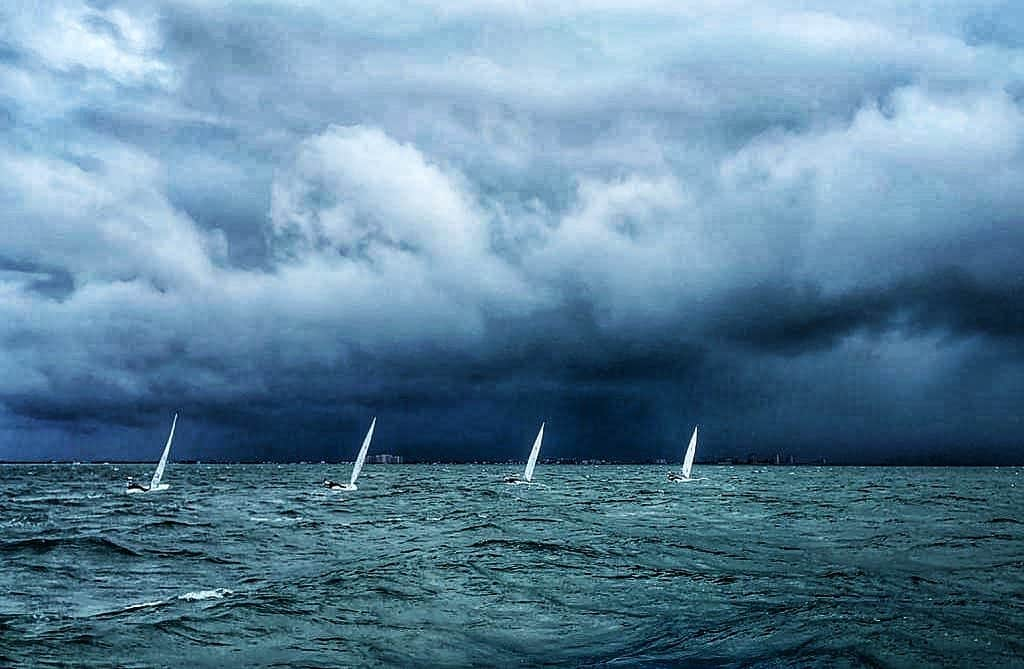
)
(566, 462)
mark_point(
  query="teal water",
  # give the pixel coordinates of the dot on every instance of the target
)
(431, 565)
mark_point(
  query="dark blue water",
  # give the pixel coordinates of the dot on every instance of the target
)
(446, 566)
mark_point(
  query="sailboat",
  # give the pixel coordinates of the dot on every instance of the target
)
(155, 485)
(691, 450)
(358, 466)
(527, 476)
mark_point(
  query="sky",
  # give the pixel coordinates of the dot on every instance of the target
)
(799, 225)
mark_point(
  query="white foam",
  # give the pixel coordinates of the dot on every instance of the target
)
(143, 605)
(205, 594)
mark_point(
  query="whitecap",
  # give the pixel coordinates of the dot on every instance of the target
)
(141, 605)
(205, 594)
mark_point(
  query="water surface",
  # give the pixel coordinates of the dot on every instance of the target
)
(433, 565)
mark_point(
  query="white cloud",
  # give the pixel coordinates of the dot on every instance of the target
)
(898, 190)
(635, 247)
(112, 221)
(354, 186)
(112, 42)
(354, 193)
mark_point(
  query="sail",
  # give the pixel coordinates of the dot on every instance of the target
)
(532, 462)
(159, 473)
(691, 450)
(361, 458)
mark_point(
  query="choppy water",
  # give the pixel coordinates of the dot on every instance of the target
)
(446, 566)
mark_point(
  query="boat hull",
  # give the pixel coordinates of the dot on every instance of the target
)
(515, 480)
(159, 488)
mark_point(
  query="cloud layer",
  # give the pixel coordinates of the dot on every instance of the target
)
(797, 225)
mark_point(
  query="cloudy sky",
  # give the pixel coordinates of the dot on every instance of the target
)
(798, 224)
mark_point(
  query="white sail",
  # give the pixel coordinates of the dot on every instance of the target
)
(159, 473)
(691, 450)
(361, 458)
(532, 462)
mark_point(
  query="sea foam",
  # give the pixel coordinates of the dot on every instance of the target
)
(200, 595)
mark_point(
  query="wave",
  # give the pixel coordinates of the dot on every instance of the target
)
(191, 555)
(200, 595)
(955, 498)
(169, 522)
(644, 573)
(45, 545)
(197, 596)
(140, 605)
(129, 608)
(476, 528)
(101, 546)
(526, 545)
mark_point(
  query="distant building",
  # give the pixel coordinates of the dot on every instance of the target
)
(386, 459)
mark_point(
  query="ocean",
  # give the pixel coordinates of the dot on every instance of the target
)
(445, 566)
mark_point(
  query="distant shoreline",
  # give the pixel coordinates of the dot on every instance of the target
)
(511, 463)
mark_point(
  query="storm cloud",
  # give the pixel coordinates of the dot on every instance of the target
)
(796, 224)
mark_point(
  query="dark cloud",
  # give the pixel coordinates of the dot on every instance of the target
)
(797, 225)
(948, 301)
